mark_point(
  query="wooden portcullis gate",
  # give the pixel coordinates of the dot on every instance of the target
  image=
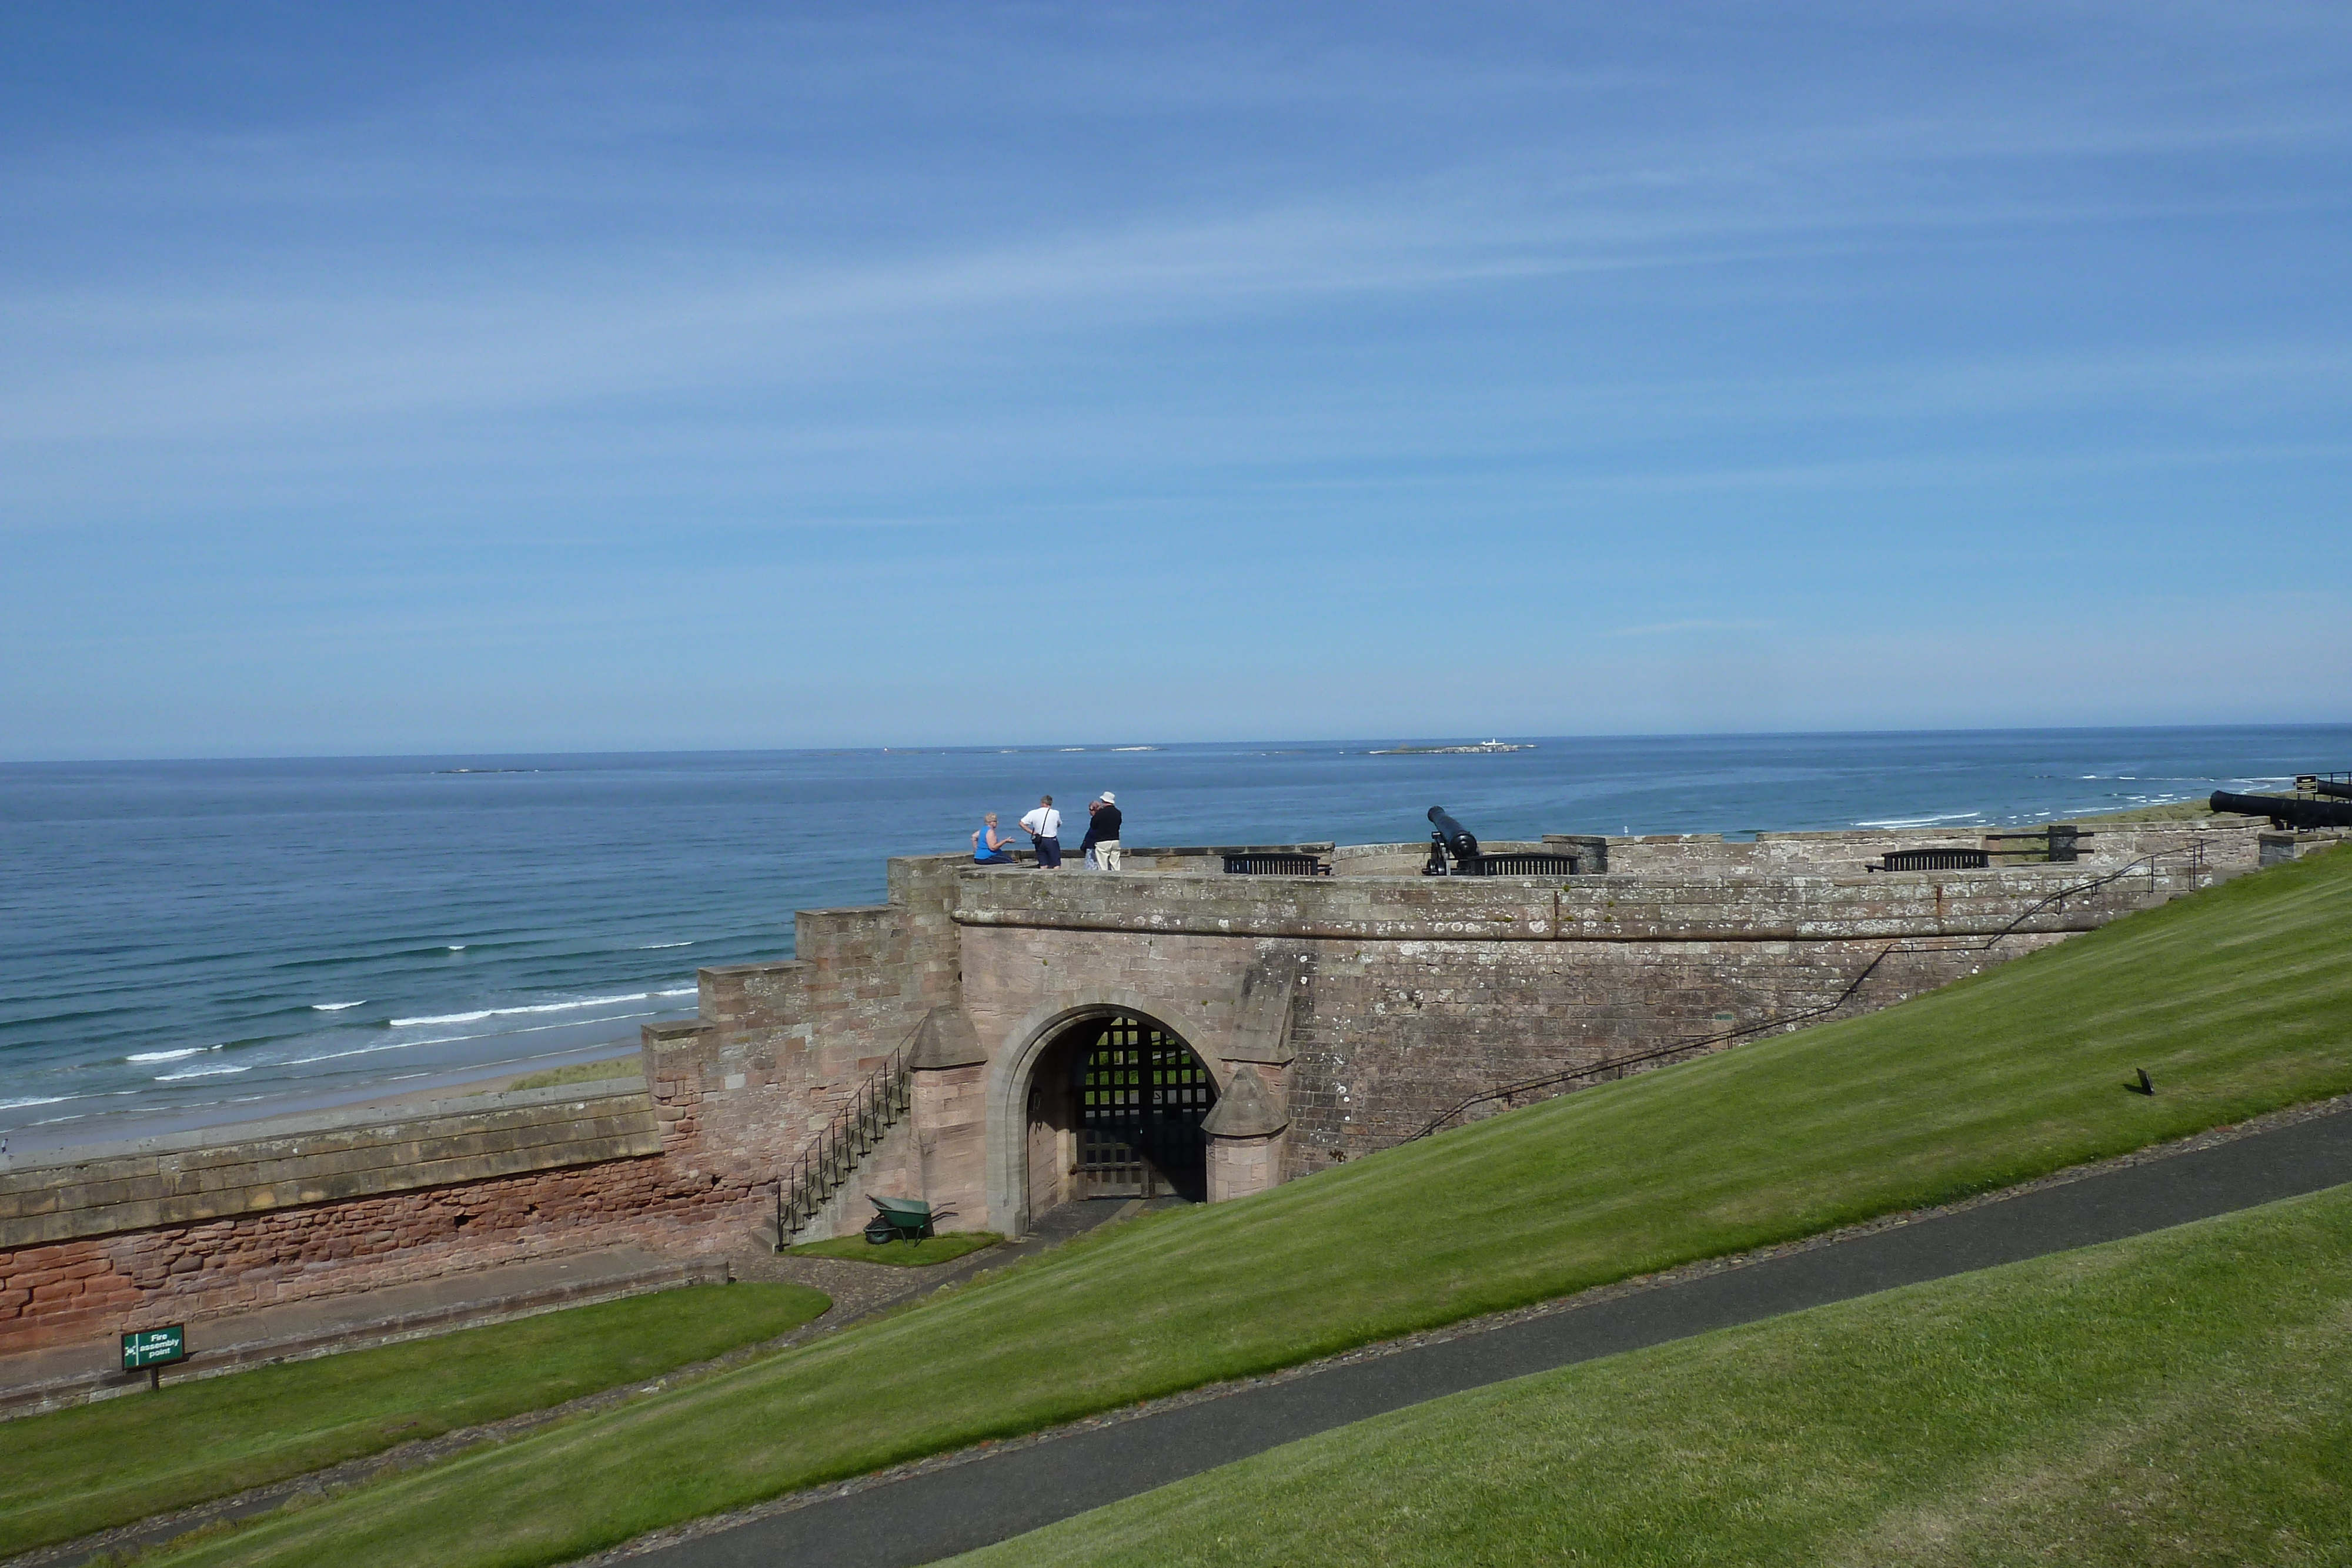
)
(1141, 1094)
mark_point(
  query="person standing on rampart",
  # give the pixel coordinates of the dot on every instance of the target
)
(1103, 823)
(989, 847)
(1044, 827)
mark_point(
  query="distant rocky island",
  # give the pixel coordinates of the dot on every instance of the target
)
(1480, 749)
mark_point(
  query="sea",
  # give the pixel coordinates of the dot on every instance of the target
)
(192, 944)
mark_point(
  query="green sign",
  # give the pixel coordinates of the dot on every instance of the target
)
(154, 1347)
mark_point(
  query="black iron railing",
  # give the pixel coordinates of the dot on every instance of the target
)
(826, 1163)
(1935, 859)
(1527, 862)
(1274, 863)
(2061, 843)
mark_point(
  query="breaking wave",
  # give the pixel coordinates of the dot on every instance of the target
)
(479, 1014)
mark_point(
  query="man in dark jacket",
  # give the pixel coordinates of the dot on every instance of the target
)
(1103, 823)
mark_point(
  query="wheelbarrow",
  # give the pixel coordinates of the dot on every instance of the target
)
(898, 1219)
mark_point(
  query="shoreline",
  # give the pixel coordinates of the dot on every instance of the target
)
(457, 1083)
(495, 1083)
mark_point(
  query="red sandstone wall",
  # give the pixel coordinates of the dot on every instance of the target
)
(97, 1286)
(780, 1047)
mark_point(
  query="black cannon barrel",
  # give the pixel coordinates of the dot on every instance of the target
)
(2329, 787)
(2285, 809)
(1452, 839)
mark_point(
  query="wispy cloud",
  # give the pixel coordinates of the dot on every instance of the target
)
(1672, 627)
(826, 314)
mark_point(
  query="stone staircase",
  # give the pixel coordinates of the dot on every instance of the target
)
(825, 1164)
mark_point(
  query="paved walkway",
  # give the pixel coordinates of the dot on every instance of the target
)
(971, 1501)
(859, 1290)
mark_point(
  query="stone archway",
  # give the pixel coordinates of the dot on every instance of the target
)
(1105, 1100)
(1131, 1098)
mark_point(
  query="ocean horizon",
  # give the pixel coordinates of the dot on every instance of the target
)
(191, 943)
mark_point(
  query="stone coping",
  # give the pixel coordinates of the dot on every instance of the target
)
(298, 1122)
(1670, 905)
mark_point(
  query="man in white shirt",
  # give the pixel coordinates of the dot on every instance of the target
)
(1044, 827)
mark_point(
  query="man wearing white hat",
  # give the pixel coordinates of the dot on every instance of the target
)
(1103, 823)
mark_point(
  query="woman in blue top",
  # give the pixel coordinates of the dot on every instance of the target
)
(991, 852)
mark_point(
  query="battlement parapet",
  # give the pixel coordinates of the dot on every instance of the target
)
(1674, 905)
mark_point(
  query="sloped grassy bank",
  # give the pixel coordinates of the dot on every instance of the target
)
(74, 1472)
(2233, 1000)
(2176, 1397)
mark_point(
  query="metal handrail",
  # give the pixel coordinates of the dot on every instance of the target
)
(826, 1162)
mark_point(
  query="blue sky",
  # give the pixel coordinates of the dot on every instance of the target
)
(428, 378)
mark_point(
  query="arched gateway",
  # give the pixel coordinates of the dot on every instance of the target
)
(944, 1045)
(1114, 1107)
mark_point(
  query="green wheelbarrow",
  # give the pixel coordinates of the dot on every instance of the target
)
(899, 1219)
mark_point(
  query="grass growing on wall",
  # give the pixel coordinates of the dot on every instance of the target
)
(2184, 1397)
(2234, 999)
(73, 1472)
(2195, 811)
(578, 1072)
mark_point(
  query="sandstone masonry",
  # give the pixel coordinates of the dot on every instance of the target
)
(1335, 1014)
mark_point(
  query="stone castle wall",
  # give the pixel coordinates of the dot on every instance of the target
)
(196, 1226)
(778, 1048)
(1361, 1005)
(1407, 996)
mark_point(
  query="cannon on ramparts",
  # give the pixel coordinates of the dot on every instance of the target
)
(1450, 837)
(1453, 852)
(2286, 810)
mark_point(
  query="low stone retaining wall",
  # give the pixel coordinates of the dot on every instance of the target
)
(101, 1239)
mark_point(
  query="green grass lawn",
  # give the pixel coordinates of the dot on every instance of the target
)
(71, 1472)
(2179, 1398)
(2234, 999)
(920, 1254)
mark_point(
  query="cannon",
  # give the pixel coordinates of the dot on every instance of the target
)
(2330, 787)
(1453, 852)
(1450, 837)
(2286, 810)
